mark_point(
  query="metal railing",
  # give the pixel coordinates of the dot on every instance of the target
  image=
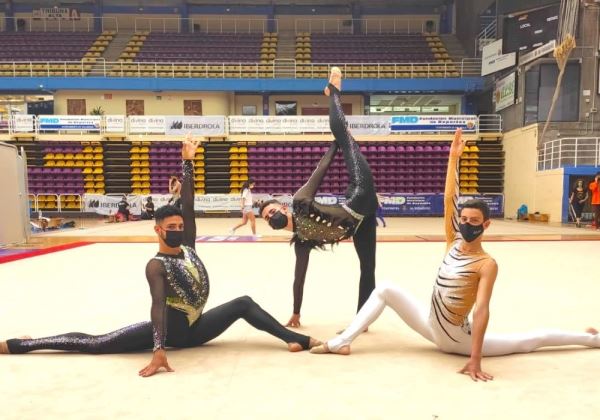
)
(569, 151)
(490, 123)
(237, 25)
(486, 36)
(367, 26)
(467, 67)
(47, 24)
(79, 68)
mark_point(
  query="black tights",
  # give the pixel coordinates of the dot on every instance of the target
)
(138, 337)
(360, 195)
(365, 243)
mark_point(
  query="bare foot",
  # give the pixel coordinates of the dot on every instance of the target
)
(296, 347)
(335, 78)
(592, 331)
(324, 349)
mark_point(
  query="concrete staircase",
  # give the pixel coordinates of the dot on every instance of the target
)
(286, 45)
(455, 49)
(112, 53)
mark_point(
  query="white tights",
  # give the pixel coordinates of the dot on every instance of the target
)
(417, 318)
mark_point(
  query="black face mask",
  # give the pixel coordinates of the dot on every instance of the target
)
(278, 220)
(470, 232)
(173, 238)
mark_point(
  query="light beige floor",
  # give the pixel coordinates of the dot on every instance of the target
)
(397, 226)
(393, 372)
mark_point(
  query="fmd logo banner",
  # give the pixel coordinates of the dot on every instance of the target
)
(69, 122)
(434, 123)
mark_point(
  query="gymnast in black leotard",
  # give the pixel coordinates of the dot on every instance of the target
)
(316, 225)
(179, 287)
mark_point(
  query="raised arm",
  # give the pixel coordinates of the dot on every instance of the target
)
(309, 190)
(451, 191)
(155, 274)
(302, 252)
(188, 152)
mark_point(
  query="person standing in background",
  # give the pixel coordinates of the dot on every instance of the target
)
(175, 191)
(595, 190)
(246, 205)
(577, 200)
(379, 213)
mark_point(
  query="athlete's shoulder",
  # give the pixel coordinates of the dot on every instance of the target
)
(155, 265)
(489, 266)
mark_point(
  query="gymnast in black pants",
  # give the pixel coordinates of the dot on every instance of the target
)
(316, 225)
(179, 287)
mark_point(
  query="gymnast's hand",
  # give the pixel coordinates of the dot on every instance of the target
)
(188, 151)
(473, 369)
(458, 144)
(294, 321)
(159, 360)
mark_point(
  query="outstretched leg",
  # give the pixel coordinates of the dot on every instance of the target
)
(503, 344)
(365, 244)
(214, 322)
(406, 306)
(135, 337)
(360, 195)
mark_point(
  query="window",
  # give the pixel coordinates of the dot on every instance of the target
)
(192, 107)
(286, 108)
(134, 107)
(540, 83)
(249, 110)
(76, 107)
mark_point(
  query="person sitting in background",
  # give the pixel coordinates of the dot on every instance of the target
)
(123, 210)
(148, 213)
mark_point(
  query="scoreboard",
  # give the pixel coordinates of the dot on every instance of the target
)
(525, 32)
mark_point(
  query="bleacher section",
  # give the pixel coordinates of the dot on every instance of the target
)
(40, 48)
(373, 56)
(71, 169)
(66, 169)
(226, 55)
(176, 47)
(405, 167)
(380, 48)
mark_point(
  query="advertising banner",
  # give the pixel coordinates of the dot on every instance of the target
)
(69, 122)
(22, 124)
(504, 94)
(493, 60)
(114, 123)
(197, 125)
(434, 123)
(142, 124)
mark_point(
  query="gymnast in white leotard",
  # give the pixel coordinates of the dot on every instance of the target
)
(465, 279)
